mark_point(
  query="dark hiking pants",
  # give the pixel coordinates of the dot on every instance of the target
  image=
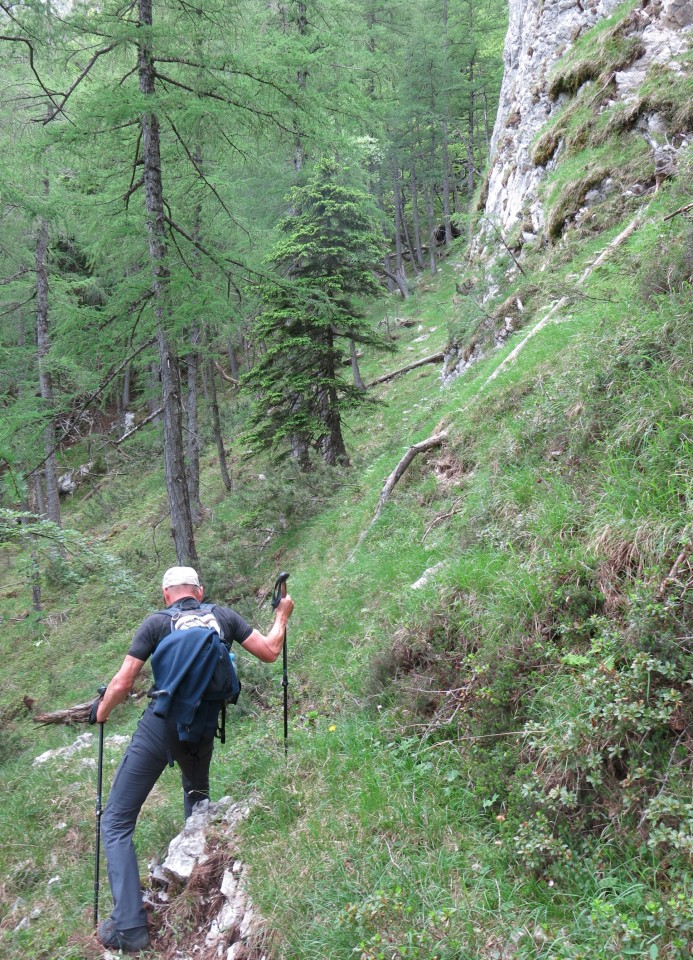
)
(154, 744)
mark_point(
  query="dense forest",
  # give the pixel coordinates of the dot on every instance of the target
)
(396, 298)
(168, 222)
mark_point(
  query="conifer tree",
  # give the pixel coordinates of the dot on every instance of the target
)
(326, 260)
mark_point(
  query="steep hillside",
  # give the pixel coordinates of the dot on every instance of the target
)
(491, 690)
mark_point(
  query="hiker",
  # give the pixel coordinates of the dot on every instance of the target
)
(156, 743)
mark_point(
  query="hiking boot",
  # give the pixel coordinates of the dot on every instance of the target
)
(131, 941)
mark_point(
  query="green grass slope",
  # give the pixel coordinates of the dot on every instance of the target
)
(495, 763)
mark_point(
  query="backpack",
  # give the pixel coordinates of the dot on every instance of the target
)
(194, 673)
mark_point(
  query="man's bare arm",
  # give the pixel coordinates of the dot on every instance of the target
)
(119, 688)
(267, 648)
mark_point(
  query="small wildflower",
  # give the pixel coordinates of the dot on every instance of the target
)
(332, 728)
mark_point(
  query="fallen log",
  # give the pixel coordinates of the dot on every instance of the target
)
(142, 423)
(434, 358)
(77, 714)
(421, 447)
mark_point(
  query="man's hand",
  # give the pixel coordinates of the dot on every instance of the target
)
(95, 707)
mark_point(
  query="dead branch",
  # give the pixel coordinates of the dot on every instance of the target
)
(421, 447)
(59, 107)
(683, 209)
(77, 714)
(535, 329)
(92, 396)
(441, 518)
(434, 358)
(502, 240)
(224, 375)
(142, 423)
(610, 247)
(673, 573)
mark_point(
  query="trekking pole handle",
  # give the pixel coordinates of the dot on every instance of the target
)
(279, 589)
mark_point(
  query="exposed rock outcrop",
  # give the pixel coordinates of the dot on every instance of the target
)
(563, 91)
(200, 869)
(540, 32)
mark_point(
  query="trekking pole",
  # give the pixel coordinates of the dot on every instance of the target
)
(99, 784)
(279, 592)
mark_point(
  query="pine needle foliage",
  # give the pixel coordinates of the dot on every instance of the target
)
(326, 259)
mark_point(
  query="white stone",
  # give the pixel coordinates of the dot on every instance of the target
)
(229, 884)
(184, 851)
(246, 922)
(81, 743)
(426, 576)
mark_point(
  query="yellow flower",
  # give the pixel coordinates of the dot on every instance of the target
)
(332, 728)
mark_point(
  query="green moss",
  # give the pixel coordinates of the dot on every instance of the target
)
(606, 48)
(625, 161)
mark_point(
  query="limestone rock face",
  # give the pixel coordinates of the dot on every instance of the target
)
(540, 32)
(677, 13)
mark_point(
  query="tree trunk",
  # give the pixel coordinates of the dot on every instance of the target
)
(302, 79)
(470, 132)
(127, 382)
(216, 425)
(35, 571)
(45, 380)
(174, 460)
(431, 209)
(418, 250)
(444, 138)
(233, 360)
(33, 503)
(192, 437)
(334, 450)
(400, 272)
(446, 184)
(405, 232)
(358, 380)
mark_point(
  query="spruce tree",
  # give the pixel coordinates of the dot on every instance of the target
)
(326, 261)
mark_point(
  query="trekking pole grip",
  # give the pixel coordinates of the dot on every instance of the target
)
(279, 589)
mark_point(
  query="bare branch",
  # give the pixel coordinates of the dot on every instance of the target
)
(60, 107)
(200, 173)
(230, 70)
(234, 103)
(31, 62)
(16, 306)
(112, 375)
(202, 249)
(224, 375)
(433, 358)
(142, 423)
(421, 447)
(684, 209)
(15, 276)
(133, 188)
(502, 240)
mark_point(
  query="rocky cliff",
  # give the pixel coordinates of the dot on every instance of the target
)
(596, 111)
(540, 34)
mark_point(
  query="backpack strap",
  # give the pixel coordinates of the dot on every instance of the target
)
(175, 611)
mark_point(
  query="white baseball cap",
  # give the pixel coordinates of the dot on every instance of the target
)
(178, 576)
